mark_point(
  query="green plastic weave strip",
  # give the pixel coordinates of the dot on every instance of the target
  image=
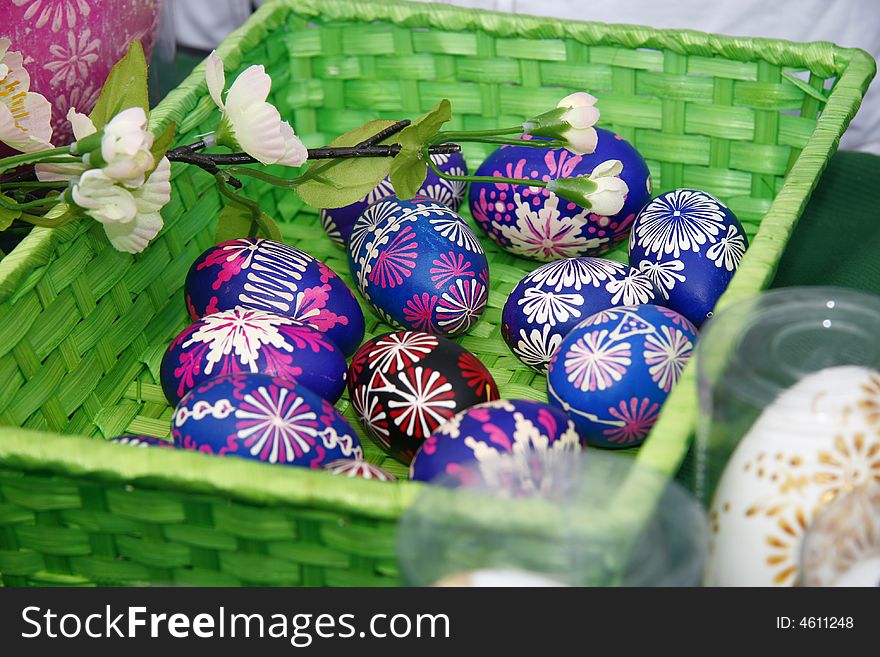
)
(83, 327)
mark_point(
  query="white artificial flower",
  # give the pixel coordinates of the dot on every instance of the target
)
(125, 147)
(103, 200)
(82, 127)
(610, 194)
(149, 198)
(251, 123)
(24, 115)
(582, 115)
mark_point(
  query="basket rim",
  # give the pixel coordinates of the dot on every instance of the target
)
(45, 451)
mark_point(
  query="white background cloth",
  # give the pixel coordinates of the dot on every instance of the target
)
(853, 23)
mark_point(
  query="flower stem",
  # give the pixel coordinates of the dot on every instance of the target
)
(469, 135)
(32, 158)
(34, 184)
(238, 199)
(486, 179)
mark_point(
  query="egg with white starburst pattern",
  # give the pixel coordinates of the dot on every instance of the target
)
(489, 442)
(547, 303)
(420, 266)
(534, 223)
(272, 276)
(689, 244)
(245, 340)
(356, 468)
(338, 222)
(263, 418)
(613, 371)
(403, 385)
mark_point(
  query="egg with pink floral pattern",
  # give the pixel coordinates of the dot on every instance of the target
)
(275, 277)
(245, 340)
(420, 266)
(533, 223)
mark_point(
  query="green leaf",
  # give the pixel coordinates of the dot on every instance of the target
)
(163, 141)
(7, 215)
(339, 182)
(237, 220)
(409, 169)
(126, 86)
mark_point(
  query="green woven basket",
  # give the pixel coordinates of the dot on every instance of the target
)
(83, 327)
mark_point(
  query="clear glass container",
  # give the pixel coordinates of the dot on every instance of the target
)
(789, 415)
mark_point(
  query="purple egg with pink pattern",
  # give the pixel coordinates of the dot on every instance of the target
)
(139, 440)
(272, 276)
(613, 371)
(263, 418)
(484, 444)
(245, 340)
(533, 223)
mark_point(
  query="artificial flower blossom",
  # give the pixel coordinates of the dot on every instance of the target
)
(571, 122)
(249, 123)
(602, 191)
(82, 127)
(130, 216)
(24, 115)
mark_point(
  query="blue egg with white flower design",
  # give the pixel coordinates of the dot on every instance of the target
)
(534, 223)
(554, 298)
(613, 371)
(264, 418)
(338, 222)
(487, 442)
(272, 276)
(689, 244)
(419, 265)
(246, 340)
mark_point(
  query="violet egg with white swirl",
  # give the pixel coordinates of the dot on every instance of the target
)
(338, 222)
(263, 418)
(613, 371)
(534, 223)
(547, 303)
(272, 276)
(690, 245)
(245, 340)
(420, 266)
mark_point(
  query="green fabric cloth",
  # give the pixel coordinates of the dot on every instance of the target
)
(837, 241)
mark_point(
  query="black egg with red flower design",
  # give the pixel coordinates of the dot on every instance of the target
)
(405, 384)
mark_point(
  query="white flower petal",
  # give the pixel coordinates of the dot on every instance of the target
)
(250, 88)
(156, 191)
(5, 42)
(125, 147)
(103, 199)
(581, 117)
(582, 142)
(258, 131)
(607, 168)
(216, 78)
(609, 197)
(134, 236)
(577, 99)
(81, 124)
(59, 172)
(295, 153)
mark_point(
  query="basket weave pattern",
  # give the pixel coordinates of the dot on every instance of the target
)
(83, 327)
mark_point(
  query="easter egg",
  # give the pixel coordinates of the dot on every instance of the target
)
(272, 276)
(245, 340)
(356, 468)
(815, 443)
(264, 418)
(138, 440)
(534, 223)
(614, 370)
(546, 304)
(420, 266)
(338, 222)
(492, 436)
(403, 385)
(689, 244)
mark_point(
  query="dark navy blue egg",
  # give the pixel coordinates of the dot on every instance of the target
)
(264, 418)
(690, 245)
(420, 266)
(272, 276)
(138, 440)
(338, 222)
(245, 340)
(534, 223)
(483, 443)
(614, 370)
(549, 302)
